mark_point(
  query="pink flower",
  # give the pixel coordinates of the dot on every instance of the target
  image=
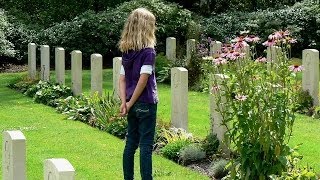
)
(252, 38)
(276, 35)
(261, 60)
(240, 97)
(219, 61)
(239, 45)
(234, 55)
(292, 41)
(269, 43)
(296, 68)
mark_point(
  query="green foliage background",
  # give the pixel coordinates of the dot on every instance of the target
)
(94, 26)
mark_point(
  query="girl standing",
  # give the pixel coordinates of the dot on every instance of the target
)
(138, 90)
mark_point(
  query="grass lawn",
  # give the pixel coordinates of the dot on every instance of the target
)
(95, 155)
(306, 129)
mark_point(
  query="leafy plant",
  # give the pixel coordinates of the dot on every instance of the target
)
(293, 172)
(166, 136)
(6, 47)
(48, 93)
(191, 153)
(304, 103)
(256, 105)
(118, 127)
(218, 168)
(172, 149)
(210, 144)
(77, 108)
(22, 85)
(106, 111)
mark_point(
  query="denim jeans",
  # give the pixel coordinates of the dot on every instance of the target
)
(141, 128)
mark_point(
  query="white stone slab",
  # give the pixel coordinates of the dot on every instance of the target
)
(45, 62)
(215, 48)
(216, 119)
(76, 72)
(96, 74)
(310, 75)
(117, 61)
(179, 97)
(58, 169)
(60, 65)
(171, 46)
(191, 48)
(32, 66)
(13, 156)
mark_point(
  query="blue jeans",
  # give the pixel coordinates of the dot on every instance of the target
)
(141, 128)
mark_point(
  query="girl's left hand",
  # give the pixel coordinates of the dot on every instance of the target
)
(123, 109)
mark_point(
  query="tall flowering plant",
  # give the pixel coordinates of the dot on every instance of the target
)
(255, 104)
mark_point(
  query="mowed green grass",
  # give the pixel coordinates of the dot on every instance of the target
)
(306, 130)
(95, 154)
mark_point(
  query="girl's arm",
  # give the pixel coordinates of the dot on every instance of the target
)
(122, 88)
(143, 79)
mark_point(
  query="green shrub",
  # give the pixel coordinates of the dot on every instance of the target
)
(172, 149)
(304, 103)
(100, 112)
(118, 127)
(161, 63)
(23, 85)
(302, 20)
(166, 136)
(210, 144)
(218, 168)
(293, 171)
(44, 13)
(100, 32)
(105, 109)
(48, 93)
(20, 35)
(191, 153)
(6, 47)
(76, 108)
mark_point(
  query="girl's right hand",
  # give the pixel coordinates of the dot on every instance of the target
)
(123, 109)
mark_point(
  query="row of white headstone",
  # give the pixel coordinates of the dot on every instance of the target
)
(14, 160)
(179, 76)
(76, 67)
(179, 79)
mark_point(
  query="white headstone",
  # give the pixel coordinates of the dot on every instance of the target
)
(32, 67)
(96, 73)
(58, 169)
(215, 48)
(60, 65)
(310, 75)
(13, 156)
(117, 61)
(45, 62)
(171, 47)
(76, 72)
(191, 48)
(179, 97)
(273, 53)
(247, 51)
(216, 119)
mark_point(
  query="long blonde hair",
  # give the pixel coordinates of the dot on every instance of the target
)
(138, 31)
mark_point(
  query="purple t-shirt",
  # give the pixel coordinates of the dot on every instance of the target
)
(132, 63)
